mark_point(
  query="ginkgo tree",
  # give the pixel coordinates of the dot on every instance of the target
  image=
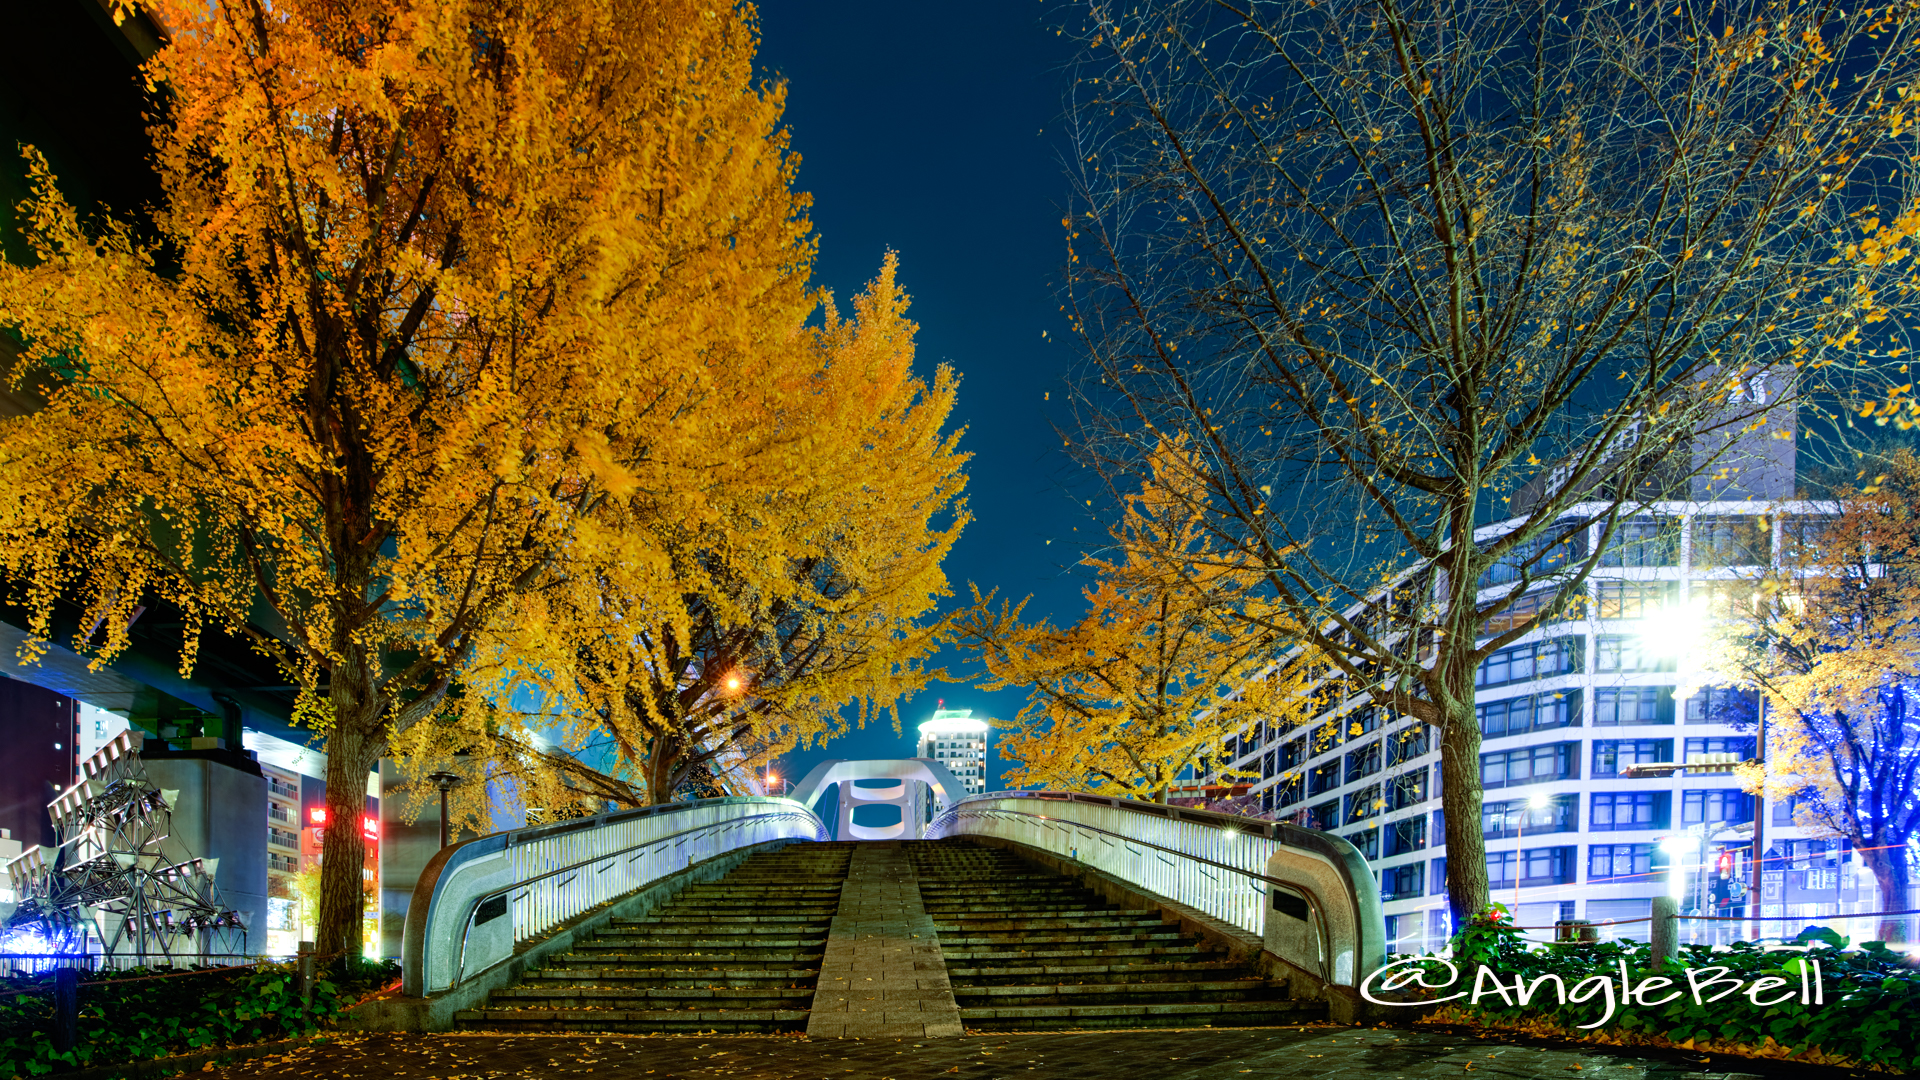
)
(1832, 642)
(1175, 655)
(446, 302)
(755, 639)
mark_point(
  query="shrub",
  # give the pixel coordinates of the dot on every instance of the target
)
(1870, 1014)
(128, 1016)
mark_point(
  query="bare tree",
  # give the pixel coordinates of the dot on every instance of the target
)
(1435, 287)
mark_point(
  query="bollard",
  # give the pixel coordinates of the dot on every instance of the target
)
(66, 1008)
(303, 981)
(1666, 930)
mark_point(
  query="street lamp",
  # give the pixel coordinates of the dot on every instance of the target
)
(773, 779)
(1537, 801)
(1676, 848)
(444, 781)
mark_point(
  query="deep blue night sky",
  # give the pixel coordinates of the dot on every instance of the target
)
(930, 129)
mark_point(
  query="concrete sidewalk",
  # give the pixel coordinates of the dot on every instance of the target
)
(1312, 1052)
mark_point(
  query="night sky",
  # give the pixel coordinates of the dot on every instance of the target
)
(931, 130)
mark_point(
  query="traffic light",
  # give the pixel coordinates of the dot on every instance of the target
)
(1724, 864)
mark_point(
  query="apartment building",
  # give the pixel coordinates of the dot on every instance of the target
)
(958, 741)
(1573, 830)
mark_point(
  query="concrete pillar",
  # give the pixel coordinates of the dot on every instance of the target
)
(405, 849)
(220, 813)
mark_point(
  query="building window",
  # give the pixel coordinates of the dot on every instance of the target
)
(1364, 803)
(1612, 755)
(1529, 765)
(1322, 815)
(1616, 811)
(1731, 541)
(1526, 607)
(1363, 762)
(1738, 745)
(1407, 789)
(1407, 834)
(1553, 551)
(1402, 882)
(1615, 862)
(1534, 660)
(1633, 599)
(1367, 840)
(1407, 743)
(1537, 866)
(1534, 712)
(1501, 820)
(1323, 777)
(1292, 753)
(1730, 805)
(1362, 721)
(284, 838)
(1437, 874)
(1616, 705)
(1723, 705)
(1288, 791)
(285, 864)
(1624, 652)
(1643, 541)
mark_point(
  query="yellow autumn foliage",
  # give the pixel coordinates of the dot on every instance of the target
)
(1175, 655)
(450, 307)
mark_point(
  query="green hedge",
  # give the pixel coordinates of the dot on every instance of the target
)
(128, 1018)
(1870, 1015)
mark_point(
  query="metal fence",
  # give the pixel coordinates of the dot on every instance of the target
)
(1211, 862)
(477, 898)
(13, 965)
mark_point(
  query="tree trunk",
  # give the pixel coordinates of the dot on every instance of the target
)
(351, 755)
(1890, 873)
(1461, 796)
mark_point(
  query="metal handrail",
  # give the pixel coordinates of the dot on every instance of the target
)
(444, 911)
(461, 963)
(1247, 847)
(1319, 902)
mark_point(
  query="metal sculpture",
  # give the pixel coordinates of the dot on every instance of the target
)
(117, 876)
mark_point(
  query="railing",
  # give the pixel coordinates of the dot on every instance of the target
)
(1241, 871)
(13, 965)
(479, 897)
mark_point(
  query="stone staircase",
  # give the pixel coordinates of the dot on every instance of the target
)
(740, 954)
(1026, 948)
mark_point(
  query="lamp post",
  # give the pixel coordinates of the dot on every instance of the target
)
(1534, 802)
(443, 780)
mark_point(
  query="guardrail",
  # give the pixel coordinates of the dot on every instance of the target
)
(476, 899)
(1307, 895)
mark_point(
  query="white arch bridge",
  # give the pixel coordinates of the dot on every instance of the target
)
(482, 904)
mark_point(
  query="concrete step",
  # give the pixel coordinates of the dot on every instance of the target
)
(737, 955)
(669, 977)
(1028, 949)
(732, 1021)
(1165, 1014)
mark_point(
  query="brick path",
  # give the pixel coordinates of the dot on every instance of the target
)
(1312, 1052)
(882, 975)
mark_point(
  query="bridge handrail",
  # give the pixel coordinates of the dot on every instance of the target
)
(454, 925)
(1197, 840)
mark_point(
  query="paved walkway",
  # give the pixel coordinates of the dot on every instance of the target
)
(1310, 1052)
(882, 975)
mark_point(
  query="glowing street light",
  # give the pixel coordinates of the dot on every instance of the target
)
(1537, 801)
(1678, 847)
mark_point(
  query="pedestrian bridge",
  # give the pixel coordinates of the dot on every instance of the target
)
(1012, 909)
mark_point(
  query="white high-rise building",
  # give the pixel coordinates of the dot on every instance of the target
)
(956, 740)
